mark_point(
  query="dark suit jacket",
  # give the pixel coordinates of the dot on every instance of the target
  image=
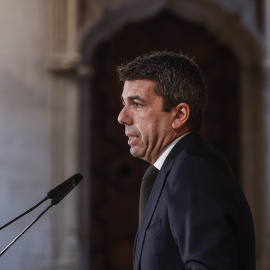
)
(197, 217)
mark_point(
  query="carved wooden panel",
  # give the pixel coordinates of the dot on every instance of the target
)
(116, 175)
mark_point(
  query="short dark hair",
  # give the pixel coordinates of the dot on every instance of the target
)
(177, 77)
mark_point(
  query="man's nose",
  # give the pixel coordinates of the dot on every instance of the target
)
(124, 117)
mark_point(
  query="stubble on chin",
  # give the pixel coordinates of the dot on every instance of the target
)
(133, 152)
(138, 153)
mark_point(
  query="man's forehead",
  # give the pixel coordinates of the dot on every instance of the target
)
(138, 88)
(133, 97)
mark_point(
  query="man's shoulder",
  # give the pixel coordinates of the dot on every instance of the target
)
(193, 146)
(198, 157)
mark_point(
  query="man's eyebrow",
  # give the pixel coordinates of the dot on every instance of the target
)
(134, 98)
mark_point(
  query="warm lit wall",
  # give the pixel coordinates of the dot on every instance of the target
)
(38, 142)
(25, 130)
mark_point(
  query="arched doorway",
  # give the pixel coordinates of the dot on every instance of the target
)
(115, 175)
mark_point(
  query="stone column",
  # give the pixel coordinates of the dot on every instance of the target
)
(61, 62)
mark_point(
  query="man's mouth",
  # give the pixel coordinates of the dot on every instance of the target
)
(132, 140)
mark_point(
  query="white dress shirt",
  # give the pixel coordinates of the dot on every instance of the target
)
(159, 162)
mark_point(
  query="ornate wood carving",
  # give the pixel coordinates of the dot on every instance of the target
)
(115, 174)
(233, 27)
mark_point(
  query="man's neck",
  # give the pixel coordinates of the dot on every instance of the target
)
(160, 160)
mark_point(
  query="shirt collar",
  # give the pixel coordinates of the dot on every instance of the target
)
(159, 162)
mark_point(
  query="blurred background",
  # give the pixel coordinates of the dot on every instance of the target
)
(60, 97)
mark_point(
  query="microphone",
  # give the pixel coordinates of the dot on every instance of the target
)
(57, 194)
(70, 181)
(50, 195)
(64, 192)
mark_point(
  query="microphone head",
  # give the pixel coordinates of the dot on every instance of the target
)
(66, 190)
(76, 178)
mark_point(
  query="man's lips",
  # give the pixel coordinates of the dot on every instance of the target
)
(132, 139)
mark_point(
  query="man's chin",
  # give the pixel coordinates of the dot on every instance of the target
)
(136, 153)
(133, 153)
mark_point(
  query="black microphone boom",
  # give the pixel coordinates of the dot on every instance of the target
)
(56, 194)
(19, 235)
(50, 195)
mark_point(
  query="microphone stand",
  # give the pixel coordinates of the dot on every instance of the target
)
(52, 194)
(23, 214)
(56, 198)
(30, 225)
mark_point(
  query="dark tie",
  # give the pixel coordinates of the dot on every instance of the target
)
(146, 187)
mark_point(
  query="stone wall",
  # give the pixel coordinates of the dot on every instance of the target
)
(38, 141)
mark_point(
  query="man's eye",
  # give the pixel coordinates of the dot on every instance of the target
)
(137, 105)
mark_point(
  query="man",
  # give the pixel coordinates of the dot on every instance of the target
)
(196, 217)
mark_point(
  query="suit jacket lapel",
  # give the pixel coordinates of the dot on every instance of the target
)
(155, 194)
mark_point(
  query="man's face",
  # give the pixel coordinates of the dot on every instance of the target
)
(148, 128)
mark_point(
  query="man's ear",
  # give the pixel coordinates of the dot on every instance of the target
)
(182, 113)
